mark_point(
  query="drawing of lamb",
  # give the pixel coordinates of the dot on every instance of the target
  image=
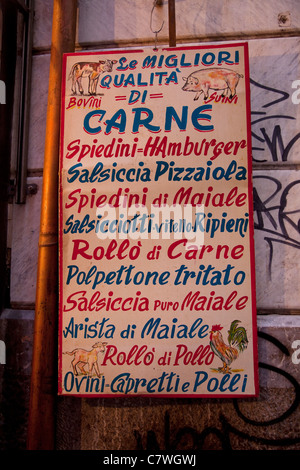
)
(83, 357)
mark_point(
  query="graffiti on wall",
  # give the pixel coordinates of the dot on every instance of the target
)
(275, 140)
(269, 144)
(250, 430)
(275, 214)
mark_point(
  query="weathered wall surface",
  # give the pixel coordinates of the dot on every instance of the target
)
(271, 421)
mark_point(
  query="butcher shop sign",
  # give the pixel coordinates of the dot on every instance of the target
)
(157, 287)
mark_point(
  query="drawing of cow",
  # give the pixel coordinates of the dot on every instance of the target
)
(204, 80)
(92, 70)
(83, 357)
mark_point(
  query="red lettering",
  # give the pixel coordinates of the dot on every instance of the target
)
(136, 355)
(81, 248)
(193, 357)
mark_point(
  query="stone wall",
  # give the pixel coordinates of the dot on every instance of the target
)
(271, 421)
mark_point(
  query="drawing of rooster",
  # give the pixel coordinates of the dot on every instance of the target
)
(238, 342)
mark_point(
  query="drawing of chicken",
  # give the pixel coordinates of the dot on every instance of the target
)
(238, 342)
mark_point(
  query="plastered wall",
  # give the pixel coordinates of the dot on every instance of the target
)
(271, 421)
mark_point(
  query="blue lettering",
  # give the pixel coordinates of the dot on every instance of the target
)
(224, 56)
(172, 78)
(227, 382)
(129, 80)
(106, 81)
(139, 121)
(88, 117)
(113, 122)
(69, 382)
(208, 58)
(171, 61)
(198, 115)
(171, 115)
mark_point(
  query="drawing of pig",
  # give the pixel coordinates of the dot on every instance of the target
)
(203, 80)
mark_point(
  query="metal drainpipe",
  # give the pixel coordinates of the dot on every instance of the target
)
(41, 423)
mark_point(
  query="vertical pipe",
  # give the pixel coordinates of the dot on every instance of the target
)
(21, 170)
(172, 23)
(41, 423)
